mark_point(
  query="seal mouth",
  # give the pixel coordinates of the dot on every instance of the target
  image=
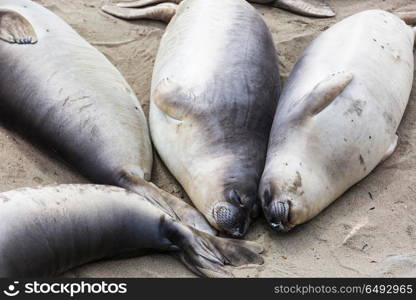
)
(277, 215)
(276, 209)
(231, 219)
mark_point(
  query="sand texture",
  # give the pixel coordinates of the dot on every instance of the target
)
(369, 231)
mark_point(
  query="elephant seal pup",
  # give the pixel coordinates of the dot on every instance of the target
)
(214, 92)
(163, 10)
(48, 230)
(338, 115)
(61, 89)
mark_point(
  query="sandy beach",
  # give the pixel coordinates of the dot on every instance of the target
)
(368, 232)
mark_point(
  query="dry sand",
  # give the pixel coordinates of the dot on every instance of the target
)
(369, 231)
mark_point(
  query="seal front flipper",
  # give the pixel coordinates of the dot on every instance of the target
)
(186, 212)
(162, 12)
(305, 8)
(323, 94)
(131, 179)
(16, 29)
(172, 99)
(208, 255)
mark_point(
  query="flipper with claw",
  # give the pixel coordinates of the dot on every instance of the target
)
(15, 29)
(208, 255)
(305, 8)
(176, 208)
(408, 17)
(185, 212)
(162, 12)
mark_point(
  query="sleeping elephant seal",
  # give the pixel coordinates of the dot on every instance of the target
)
(64, 91)
(338, 115)
(214, 92)
(163, 10)
(46, 231)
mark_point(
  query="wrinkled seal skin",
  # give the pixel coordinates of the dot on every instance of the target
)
(67, 93)
(338, 115)
(214, 92)
(48, 230)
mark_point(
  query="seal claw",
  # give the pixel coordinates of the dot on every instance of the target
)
(15, 28)
(207, 255)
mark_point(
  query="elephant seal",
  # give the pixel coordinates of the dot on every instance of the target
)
(59, 88)
(163, 10)
(214, 91)
(337, 116)
(48, 230)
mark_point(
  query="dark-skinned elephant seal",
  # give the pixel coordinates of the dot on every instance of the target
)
(214, 92)
(338, 115)
(48, 230)
(58, 88)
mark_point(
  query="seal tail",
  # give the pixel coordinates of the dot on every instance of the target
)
(207, 255)
(162, 12)
(183, 211)
(305, 8)
(409, 17)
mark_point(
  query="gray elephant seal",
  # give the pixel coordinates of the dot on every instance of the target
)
(338, 115)
(61, 89)
(214, 92)
(48, 230)
(164, 10)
